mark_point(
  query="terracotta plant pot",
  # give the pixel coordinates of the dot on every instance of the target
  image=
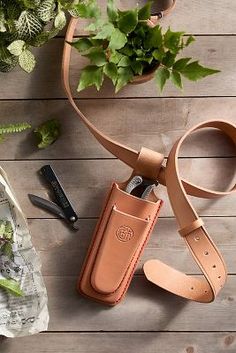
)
(145, 77)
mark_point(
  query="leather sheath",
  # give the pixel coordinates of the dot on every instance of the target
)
(123, 229)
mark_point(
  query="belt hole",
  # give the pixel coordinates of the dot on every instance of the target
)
(219, 277)
(192, 288)
(206, 253)
(206, 291)
(214, 266)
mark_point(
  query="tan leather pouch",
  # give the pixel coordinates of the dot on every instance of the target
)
(122, 231)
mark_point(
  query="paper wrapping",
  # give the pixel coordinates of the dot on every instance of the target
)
(26, 315)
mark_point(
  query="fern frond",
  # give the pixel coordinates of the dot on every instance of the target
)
(13, 128)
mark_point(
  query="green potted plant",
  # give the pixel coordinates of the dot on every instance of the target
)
(29, 23)
(127, 48)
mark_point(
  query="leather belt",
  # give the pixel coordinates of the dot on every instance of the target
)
(198, 241)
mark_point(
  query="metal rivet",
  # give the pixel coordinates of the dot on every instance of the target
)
(197, 238)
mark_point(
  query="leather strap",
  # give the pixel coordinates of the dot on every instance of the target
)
(191, 226)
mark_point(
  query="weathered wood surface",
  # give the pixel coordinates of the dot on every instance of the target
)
(62, 251)
(155, 123)
(145, 308)
(124, 342)
(214, 51)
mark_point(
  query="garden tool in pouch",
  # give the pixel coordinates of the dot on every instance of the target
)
(23, 296)
(130, 214)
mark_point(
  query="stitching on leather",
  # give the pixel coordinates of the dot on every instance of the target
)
(94, 237)
(144, 243)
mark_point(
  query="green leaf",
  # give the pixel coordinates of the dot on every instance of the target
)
(172, 40)
(27, 61)
(6, 249)
(82, 44)
(96, 25)
(145, 59)
(8, 231)
(169, 59)
(2, 21)
(154, 38)
(124, 61)
(161, 76)
(110, 70)
(137, 67)
(181, 63)
(9, 64)
(87, 9)
(137, 42)
(31, 4)
(194, 71)
(105, 32)
(115, 57)
(112, 11)
(45, 10)
(16, 47)
(60, 20)
(190, 40)
(28, 25)
(11, 286)
(145, 12)
(125, 75)
(127, 50)
(118, 39)
(91, 75)
(176, 79)
(139, 53)
(128, 20)
(97, 57)
(158, 54)
(48, 132)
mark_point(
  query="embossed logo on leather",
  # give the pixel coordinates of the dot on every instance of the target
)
(124, 233)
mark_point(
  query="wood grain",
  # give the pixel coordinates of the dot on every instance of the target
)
(123, 342)
(155, 123)
(87, 182)
(146, 308)
(214, 51)
(62, 251)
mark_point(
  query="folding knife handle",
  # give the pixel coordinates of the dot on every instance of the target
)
(59, 193)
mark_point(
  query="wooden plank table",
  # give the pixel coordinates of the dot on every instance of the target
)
(149, 319)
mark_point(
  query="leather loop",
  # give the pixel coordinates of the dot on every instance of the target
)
(148, 163)
(191, 227)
